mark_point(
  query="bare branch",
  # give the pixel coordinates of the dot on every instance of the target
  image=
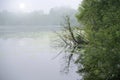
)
(62, 38)
(70, 29)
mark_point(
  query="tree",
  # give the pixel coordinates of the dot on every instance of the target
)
(99, 55)
(101, 21)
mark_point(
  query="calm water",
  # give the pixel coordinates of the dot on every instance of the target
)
(28, 56)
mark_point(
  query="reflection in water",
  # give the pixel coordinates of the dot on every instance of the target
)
(30, 59)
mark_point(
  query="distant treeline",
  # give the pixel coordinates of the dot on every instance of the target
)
(54, 17)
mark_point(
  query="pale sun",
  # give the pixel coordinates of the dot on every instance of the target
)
(22, 6)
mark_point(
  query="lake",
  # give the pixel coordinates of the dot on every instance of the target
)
(26, 54)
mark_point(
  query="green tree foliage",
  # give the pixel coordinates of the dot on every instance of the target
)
(101, 57)
(99, 47)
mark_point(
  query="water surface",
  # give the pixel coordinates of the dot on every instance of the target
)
(28, 56)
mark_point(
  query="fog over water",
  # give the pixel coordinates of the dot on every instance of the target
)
(26, 39)
(28, 56)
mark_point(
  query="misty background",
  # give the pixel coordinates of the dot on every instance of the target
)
(36, 20)
(26, 39)
(54, 17)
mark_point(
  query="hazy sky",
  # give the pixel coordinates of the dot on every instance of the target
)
(31, 5)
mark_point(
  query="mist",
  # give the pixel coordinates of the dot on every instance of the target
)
(54, 17)
(25, 45)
